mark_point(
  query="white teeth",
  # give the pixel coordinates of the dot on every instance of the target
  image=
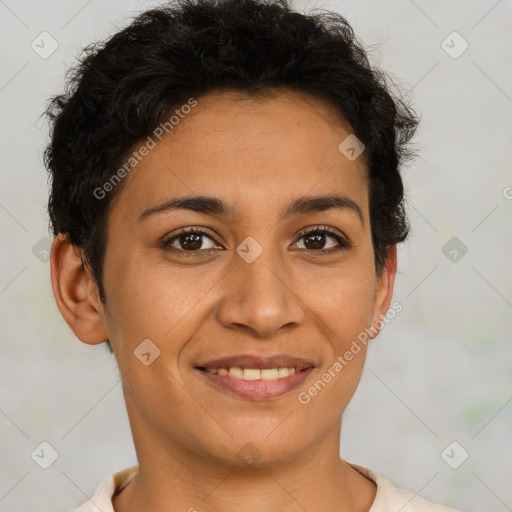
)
(270, 373)
(236, 373)
(253, 373)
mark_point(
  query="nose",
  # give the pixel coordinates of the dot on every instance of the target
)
(259, 298)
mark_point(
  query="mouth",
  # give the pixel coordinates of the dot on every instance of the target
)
(256, 377)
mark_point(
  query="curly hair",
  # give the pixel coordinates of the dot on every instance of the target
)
(124, 87)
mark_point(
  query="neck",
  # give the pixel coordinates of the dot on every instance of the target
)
(172, 477)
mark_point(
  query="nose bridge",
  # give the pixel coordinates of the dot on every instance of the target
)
(260, 295)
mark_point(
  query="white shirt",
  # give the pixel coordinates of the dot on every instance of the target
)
(388, 497)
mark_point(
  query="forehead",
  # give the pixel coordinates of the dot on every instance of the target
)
(247, 150)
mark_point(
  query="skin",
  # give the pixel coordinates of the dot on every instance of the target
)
(257, 155)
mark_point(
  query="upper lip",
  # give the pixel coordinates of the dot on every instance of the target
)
(256, 361)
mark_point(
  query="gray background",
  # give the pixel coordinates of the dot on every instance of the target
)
(439, 372)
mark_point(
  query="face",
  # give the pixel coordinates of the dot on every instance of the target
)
(258, 280)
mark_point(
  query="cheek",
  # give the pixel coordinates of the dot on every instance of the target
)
(152, 301)
(345, 311)
(341, 298)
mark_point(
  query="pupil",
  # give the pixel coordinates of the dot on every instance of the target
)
(196, 243)
(319, 241)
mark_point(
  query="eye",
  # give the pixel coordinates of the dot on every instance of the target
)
(315, 239)
(188, 240)
(191, 241)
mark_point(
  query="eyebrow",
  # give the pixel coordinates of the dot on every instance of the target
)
(214, 206)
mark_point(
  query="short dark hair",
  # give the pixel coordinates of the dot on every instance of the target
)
(122, 88)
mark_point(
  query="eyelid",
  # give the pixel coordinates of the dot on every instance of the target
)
(188, 230)
(327, 229)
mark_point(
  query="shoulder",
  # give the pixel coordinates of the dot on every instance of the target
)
(102, 499)
(390, 498)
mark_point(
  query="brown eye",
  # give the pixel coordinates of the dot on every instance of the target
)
(191, 240)
(315, 240)
(319, 241)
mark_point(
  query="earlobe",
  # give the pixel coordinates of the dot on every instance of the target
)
(75, 292)
(384, 290)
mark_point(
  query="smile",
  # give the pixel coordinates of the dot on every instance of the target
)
(256, 383)
(253, 373)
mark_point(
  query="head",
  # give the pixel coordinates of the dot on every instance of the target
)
(261, 113)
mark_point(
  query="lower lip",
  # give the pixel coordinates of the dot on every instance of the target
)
(257, 389)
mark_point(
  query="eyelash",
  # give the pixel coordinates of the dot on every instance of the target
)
(344, 244)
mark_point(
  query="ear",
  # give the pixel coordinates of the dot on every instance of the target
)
(76, 292)
(384, 290)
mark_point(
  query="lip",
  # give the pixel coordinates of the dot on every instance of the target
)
(257, 389)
